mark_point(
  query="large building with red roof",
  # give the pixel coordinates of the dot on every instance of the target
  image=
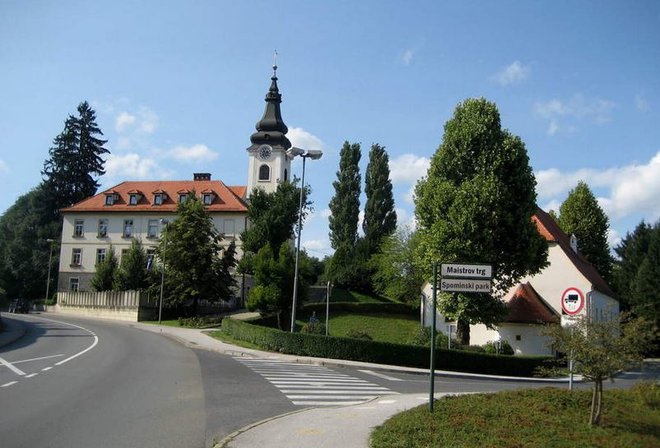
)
(140, 209)
(568, 288)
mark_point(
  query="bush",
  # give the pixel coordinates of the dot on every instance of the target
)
(379, 352)
(313, 328)
(504, 349)
(423, 337)
(648, 392)
(198, 322)
(358, 334)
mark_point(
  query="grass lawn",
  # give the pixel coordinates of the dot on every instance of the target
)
(224, 337)
(529, 418)
(344, 295)
(398, 328)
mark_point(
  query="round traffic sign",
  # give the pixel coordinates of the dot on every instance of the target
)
(572, 301)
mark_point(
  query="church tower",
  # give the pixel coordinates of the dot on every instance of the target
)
(268, 162)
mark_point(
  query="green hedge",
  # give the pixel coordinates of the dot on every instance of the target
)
(362, 308)
(379, 352)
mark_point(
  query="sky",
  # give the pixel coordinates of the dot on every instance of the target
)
(179, 85)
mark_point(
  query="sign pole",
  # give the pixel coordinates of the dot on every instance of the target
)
(433, 311)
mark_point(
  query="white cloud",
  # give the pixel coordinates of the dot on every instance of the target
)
(630, 190)
(512, 74)
(408, 168)
(562, 114)
(303, 139)
(326, 213)
(406, 56)
(133, 166)
(192, 153)
(317, 245)
(4, 168)
(123, 121)
(641, 103)
(613, 238)
(148, 120)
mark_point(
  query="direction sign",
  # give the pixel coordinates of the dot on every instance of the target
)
(464, 285)
(455, 270)
(572, 301)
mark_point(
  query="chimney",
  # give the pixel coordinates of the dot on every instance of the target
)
(201, 176)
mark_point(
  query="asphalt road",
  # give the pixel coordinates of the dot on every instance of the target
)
(81, 383)
(84, 383)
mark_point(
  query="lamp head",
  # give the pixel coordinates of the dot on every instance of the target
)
(314, 154)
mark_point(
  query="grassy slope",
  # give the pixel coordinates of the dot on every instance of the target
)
(531, 418)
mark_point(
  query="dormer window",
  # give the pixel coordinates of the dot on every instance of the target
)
(207, 198)
(183, 197)
(158, 199)
(109, 199)
(133, 199)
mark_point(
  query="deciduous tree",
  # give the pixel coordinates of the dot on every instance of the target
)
(475, 205)
(132, 272)
(581, 215)
(344, 215)
(104, 277)
(379, 215)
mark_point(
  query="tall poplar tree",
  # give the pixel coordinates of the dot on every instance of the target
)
(76, 159)
(581, 215)
(475, 205)
(379, 215)
(344, 214)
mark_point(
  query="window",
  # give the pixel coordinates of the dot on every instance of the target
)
(229, 228)
(158, 199)
(109, 199)
(264, 172)
(76, 257)
(152, 228)
(103, 228)
(286, 175)
(78, 227)
(128, 228)
(100, 255)
(73, 284)
(207, 199)
(151, 254)
(183, 197)
(133, 199)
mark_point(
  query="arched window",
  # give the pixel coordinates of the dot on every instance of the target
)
(286, 175)
(264, 172)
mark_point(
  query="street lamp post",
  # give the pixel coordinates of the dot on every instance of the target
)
(314, 155)
(162, 275)
(50, 260)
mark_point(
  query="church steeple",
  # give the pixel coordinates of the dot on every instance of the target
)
(268, 163)
(271, 129)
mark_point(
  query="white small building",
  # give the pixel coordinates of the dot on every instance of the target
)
(537, 300)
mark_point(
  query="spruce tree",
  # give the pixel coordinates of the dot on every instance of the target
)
(379, 215)
(76, 159)
(581, 215)
(645, 288)
(344, 215)
(475, 206)
(631, 251)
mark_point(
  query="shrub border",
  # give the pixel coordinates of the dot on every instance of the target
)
(380, 352)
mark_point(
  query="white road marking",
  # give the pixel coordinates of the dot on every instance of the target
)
(387, 401)
(11, 367)
(380, 375)
(38, 359)
(46, 369)
(9, 384)
(31, 375)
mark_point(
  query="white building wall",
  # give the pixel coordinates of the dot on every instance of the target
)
(90, 241)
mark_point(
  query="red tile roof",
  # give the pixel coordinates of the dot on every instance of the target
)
(526, 306)
(228, 199)
(550, 230)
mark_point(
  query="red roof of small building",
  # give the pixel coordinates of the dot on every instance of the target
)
(228, 199)
(549, 229)
(526, 306)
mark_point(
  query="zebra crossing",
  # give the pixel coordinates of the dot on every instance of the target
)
(309, 385)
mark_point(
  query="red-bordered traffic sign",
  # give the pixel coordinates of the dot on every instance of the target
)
(572, 301)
